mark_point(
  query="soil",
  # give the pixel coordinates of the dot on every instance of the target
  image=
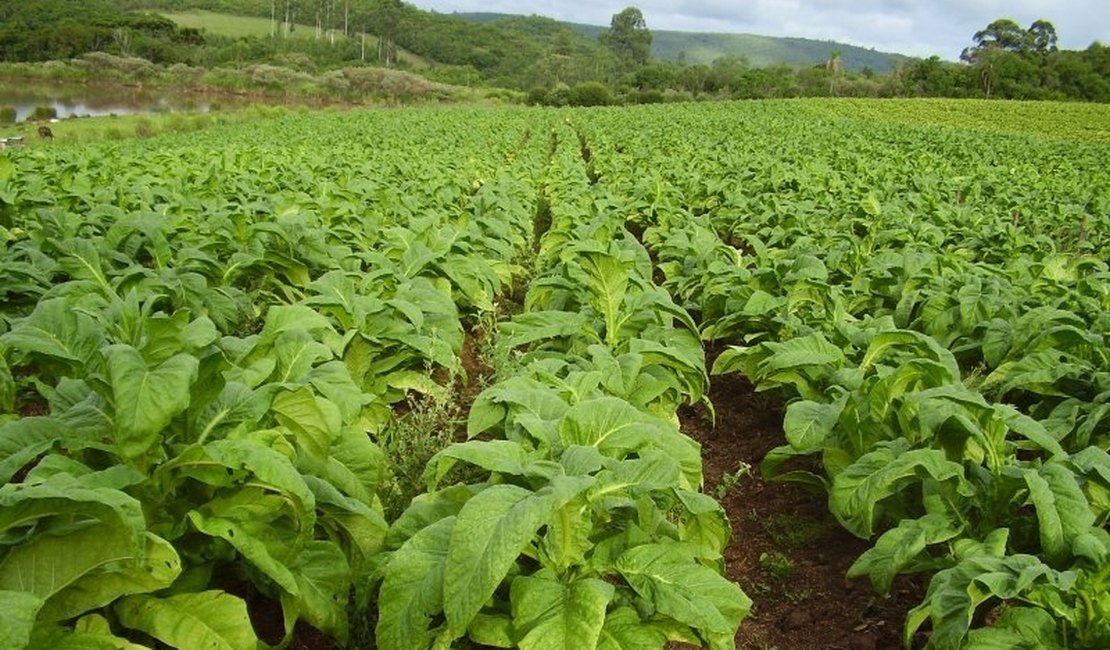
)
(787, 552)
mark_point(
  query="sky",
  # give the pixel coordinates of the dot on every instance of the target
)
(917, 28)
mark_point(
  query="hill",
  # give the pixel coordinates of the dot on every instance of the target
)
(704, 47)
(235, 26)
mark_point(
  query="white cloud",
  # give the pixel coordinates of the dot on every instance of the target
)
(942, 27)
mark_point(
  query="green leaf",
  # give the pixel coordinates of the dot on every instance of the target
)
(1062, 511)
(553, 615)
(209, 620)
(309, 419)
(501, 456)
(858, 490)
(323, 580)
(623, 630)
(412, 590)
(871, 206)
(18, 610)
(899, 547)
(612, 425)
(1018, 628)
(155, 568)
(808, 424)
(56, 330)
(146, 399)
(684, 590)
(22, 440)
(7, 386)
(265, 546)
(954, 594)
(490, 532)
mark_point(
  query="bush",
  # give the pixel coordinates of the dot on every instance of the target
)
(646, 97)
(536, 97)
(43, 113)
(590, 93)
(7, 115)
(144, 128)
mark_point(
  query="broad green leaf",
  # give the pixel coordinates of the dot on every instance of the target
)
(899, 547)
(7, 385)
(155, 567)
(612, 425)
(265, 545)
(534, 326)
(553, 615)
(684, 590)
(809, 350)
(146, 399)
(1018, 628)
(955, 594)
(55, 330)
(323, 580)
(808, 424)
(1062, 511)
(500, 456)
(858, 490)
(412, 589)
(490, 532)
(307, 417)
(18, 611)
(705, 526)
(22, 440)
(208, 620)
(624, 630)
(428, 508)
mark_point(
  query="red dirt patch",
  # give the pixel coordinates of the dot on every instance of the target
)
(787, 552)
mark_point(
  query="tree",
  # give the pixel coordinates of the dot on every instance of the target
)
(835, 66)
(387, 16)
(628, 38)
(1042, 36)
(1002, 34)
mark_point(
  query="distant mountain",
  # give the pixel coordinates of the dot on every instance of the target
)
(704, 47)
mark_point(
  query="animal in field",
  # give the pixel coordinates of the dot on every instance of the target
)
(45, 132)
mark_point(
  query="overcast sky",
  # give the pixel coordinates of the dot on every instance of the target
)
(918, 28)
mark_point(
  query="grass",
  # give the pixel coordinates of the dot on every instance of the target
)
(220, 24)
(118, 127)
(232, 26)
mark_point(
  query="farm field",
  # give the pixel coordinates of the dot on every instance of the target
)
(761, 374)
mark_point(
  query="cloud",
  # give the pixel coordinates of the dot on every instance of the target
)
(942, 27)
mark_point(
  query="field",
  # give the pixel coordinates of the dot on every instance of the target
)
(791, 374)
(219, 24)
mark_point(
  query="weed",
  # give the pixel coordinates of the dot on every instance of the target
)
(788, 530)
(730, 480)
(777, 565)
(409, 442)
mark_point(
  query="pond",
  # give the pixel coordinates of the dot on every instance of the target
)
(69, 100)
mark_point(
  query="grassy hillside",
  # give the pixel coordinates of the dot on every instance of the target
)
(231, 26)
(699, 47)
(223, 24)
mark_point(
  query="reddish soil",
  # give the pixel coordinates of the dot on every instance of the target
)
(787, 552)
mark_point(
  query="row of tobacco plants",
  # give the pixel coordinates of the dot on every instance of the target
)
(206, 342)
(934, 306)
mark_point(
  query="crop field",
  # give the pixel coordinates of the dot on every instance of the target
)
(792, 374)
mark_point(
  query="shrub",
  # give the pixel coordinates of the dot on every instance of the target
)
(43, 113)
(7, 115)
(590, 93)
(144, 128)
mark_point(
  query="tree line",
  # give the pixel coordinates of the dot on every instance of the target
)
(556, 64)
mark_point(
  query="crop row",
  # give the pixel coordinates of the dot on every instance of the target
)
(944, 357)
